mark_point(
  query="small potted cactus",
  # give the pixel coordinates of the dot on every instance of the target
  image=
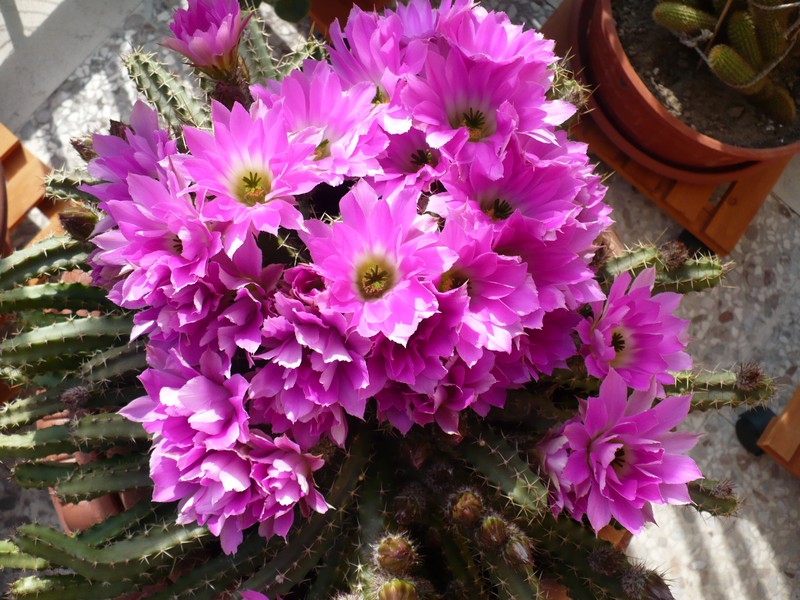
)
(750, 45)
(737, 41)
(354, 326)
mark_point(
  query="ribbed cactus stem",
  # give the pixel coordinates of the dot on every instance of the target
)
(207, 579)
(632, 261)
(74, 482)
(747, 386)
(256, 52)
(698, 273)
(65, 343)
(39, 443)
(26, 410)
(11, 557)
(500, 465)
(734, 70)
(743, 37)
(681, 18)
(714, 497)
(59, 296)
(45, 258)
(66, 587)
(114, 363)
(161, 88)
(286, 569)
(63, 185)
(115, 526)
(151, 551)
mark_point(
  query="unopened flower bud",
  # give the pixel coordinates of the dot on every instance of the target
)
(518, 549)
(78, 221)
(396, 555)
(466, 509)
(493, 532)
(84, 147)
(640, 583)
(398, 589)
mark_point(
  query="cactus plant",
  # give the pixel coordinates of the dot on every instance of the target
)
(752, 45)
(403, 493)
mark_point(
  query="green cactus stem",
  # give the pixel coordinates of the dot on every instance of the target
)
(24, 411)
(714, 497)
(150, 552)
(746, 386)
(776, 101)
(679, 17)
(312, 48)
(205, 581)
(500, 465)
(74, 483)
(256, 53)
(66, 587)
(11, 557)
(734, 70)
(59, 296)
(64, 344)
(744, 38)
(115, 363)
(163, 89)
(772, 24)
(45, 258)
(63, 186)
(310, 541)
(676, 271)
(113, 528)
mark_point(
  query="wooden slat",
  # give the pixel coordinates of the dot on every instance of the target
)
(24, 183)
(781, 438)
(8, 142)
(718, 227)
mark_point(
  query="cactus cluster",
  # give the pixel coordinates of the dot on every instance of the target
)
(415, 517)
(422, 516)
(747, 44)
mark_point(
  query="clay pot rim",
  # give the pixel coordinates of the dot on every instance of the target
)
(609, 29)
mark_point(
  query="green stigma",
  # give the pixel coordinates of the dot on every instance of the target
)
(497, 209)
(323, 150)
(475, 122)
(617, 341)
(252, 188)
(374, 278)
(420, 158)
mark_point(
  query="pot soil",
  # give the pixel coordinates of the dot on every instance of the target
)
(676, 76)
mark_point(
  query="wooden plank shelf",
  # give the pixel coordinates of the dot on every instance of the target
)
(716, 214)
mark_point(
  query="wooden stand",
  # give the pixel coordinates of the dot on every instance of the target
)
(24, 175)
(781, 438)
(716, 214)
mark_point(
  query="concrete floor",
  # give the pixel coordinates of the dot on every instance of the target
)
(80, 84)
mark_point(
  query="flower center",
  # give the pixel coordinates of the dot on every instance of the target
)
(252, 187)
(497, 209)
(475, 122)
(381, 97)
(374, 278)
(452, 279)
(619, 459)
(177, 245)
(617, 341)
(420, 158)
(323, 150)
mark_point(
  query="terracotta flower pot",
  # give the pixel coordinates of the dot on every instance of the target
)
(324, 12)
(631, 117)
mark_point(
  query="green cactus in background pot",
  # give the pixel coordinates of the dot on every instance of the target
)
(747, 44)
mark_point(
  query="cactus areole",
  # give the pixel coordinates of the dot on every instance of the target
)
(337, 373)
